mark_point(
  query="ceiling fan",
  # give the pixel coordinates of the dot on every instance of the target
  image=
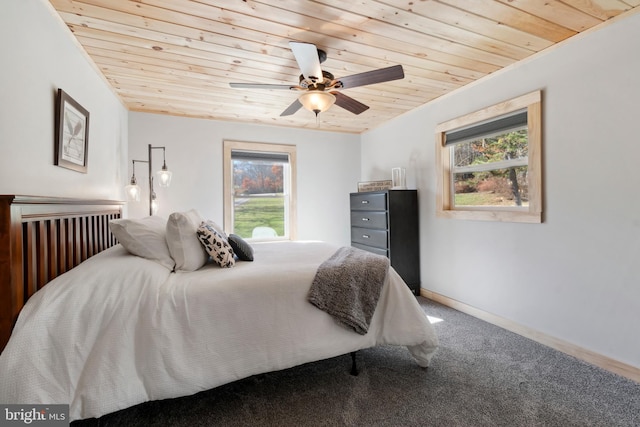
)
(320, 87)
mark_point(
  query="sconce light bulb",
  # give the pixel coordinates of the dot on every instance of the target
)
(133, 192)
(164, 177)
(154, 205)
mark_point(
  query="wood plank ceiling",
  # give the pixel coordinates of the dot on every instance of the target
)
(178, 56)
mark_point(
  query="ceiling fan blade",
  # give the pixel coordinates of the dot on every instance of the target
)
(291, 109)
(306, 55)
(380, 75)
(261, 86)
(348, 103)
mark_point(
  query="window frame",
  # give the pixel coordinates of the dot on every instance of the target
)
(227, 170)
(445, 207)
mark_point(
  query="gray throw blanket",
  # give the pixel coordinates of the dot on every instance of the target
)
(347, 286)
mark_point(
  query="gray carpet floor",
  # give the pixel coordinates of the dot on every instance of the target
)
(481, 375)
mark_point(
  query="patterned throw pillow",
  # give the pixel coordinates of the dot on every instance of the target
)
(241, 248)
(216, 245)
(216, 227)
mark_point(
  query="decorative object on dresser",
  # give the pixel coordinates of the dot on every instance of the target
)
(72, 134)
(399, 179)
(386, 223)
(374, 185)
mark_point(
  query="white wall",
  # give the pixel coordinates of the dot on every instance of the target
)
(575, 276)
(328, 169)
(38, 57)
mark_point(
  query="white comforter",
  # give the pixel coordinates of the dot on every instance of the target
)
(119, 330)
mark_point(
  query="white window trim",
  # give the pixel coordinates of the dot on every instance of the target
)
(227, 180)
(445, 207)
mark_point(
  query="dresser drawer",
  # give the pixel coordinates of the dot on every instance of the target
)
(369, 201)
(369, 219)
(377, 251)
(365, 236)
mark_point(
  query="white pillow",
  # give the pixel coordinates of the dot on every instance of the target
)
(216, 245)
(184, 246)
(144, 237)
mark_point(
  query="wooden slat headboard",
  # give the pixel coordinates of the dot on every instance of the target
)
(43, 237)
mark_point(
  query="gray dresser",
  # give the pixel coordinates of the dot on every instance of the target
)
(386, 223)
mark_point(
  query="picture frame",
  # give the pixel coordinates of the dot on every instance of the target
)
(71, 134)
(374, 185)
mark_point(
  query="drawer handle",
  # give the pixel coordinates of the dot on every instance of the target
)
(365, 219)
(365, 236)
(365, 202)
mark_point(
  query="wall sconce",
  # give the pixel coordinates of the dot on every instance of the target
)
(164, 177)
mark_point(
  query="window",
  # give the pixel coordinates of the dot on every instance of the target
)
(489, 163)
(259, 190)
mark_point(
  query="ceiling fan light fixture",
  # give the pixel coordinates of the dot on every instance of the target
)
(317, 101)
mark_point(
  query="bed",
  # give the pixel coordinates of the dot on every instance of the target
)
(111, 329)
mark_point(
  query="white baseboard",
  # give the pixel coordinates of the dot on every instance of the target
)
(604, 362)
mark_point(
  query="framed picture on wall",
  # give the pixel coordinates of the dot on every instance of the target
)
(72, 134)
